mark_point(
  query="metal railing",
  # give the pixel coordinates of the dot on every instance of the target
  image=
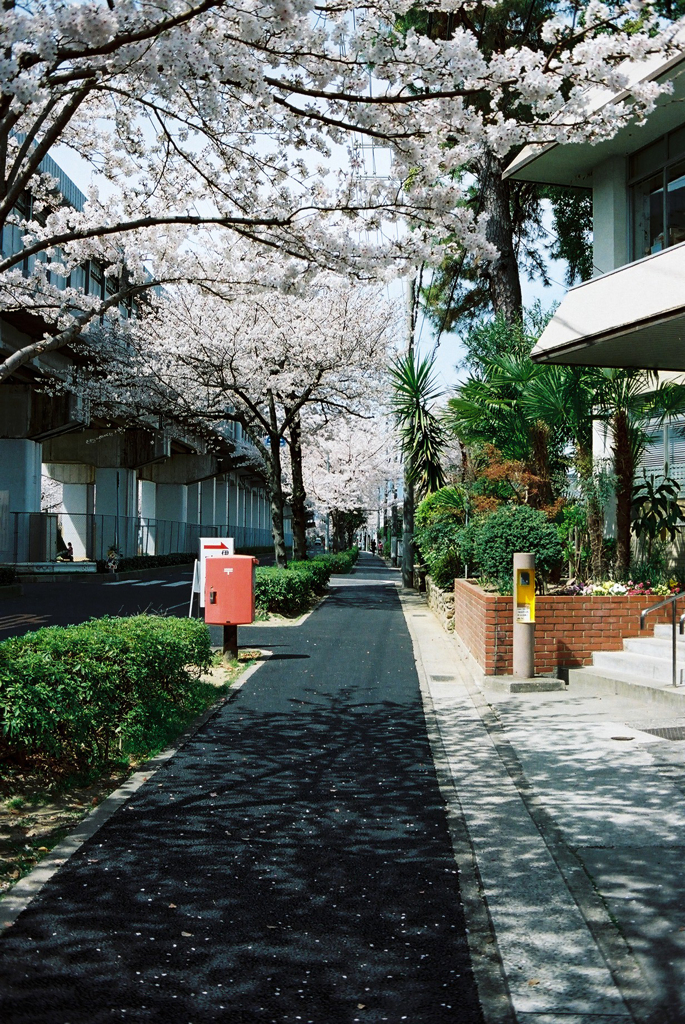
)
(42, 536)
(674, 636)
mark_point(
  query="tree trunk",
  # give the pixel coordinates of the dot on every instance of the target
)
(502, 275)
(595, 511)
(625, 471)
(595, 526)
(338, 531)
(408, 489)
(540, 443)
(299, 497)
(408, 533)
(276, 488)
(277, 505)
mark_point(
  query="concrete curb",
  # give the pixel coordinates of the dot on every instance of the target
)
(25, 890)
(486, 959)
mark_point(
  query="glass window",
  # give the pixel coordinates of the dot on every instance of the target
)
(648, 217)
(649, 159)
(675, 210)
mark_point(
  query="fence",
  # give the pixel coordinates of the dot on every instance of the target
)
(41, 536)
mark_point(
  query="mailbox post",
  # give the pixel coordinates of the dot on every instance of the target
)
(229, 596)
(524, 615)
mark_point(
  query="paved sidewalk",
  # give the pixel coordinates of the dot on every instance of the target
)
(292, 862)
(576, 820)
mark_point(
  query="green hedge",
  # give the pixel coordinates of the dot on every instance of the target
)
(282, 590)
(74, 692)
(149, 561)
(342, 562)
(291, 591)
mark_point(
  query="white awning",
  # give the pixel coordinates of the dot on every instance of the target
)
(633, 316)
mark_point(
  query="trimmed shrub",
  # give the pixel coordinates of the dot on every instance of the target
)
(149, 561)
(291, 591)
(511, 529)
(319, 570)
(342, 561)
(282, 590)
(72, 692)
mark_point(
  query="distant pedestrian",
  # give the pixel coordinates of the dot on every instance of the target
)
(69, 553)
(380, 548)
(373, 547)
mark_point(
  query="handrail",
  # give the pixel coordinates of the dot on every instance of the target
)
(655, 608)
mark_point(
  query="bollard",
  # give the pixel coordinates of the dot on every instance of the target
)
(524, 615)
(230, 641)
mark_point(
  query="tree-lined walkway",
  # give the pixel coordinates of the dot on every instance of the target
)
(291, 863)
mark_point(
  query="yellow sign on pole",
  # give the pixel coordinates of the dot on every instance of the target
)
(524, 595)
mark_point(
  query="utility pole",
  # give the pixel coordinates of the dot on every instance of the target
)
(408, 498)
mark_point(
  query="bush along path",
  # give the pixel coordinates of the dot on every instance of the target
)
(291, 862)
(80, 708)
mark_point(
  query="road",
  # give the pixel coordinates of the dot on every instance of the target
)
(291, 862)
(64, 603)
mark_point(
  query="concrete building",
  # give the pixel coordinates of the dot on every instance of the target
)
(152, 491)
(631, 313)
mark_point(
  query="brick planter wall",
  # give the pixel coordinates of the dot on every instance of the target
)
(567, 629)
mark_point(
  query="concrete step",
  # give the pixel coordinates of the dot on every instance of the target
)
(664, 631)
(638, 666)
(590, 681)
(653, 646)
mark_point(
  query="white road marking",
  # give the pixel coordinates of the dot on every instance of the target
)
(179, 583)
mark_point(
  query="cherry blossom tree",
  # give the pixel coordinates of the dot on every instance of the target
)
(232, 117)
(347, 464)
(209, 363)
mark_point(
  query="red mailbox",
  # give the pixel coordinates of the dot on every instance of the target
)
(229, 590)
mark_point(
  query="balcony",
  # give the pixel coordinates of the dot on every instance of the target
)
(633, 316)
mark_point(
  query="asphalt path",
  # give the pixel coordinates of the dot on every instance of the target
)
(291, 862)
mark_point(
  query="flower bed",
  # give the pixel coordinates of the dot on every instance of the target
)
(567, 629)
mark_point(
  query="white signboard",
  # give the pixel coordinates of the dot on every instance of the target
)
(212, 547)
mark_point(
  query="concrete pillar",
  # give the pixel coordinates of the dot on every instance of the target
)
(221, 502)
(116, 510)
(20, 469)
(233, 497)
(610, 216)
(172, 515)
(208, 502)
(78, 502)
(193, 504)
(148, 519)
(172, 502)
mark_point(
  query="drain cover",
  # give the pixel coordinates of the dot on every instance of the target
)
(668, 732)
(443, 679)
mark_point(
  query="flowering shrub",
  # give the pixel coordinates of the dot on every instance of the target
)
(610, 588)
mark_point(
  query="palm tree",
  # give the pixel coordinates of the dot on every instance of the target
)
(564, 397)
(490, 408)
(629, 400)
(422, 439)
(422, 435)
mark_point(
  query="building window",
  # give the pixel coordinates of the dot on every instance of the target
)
(657, 188)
